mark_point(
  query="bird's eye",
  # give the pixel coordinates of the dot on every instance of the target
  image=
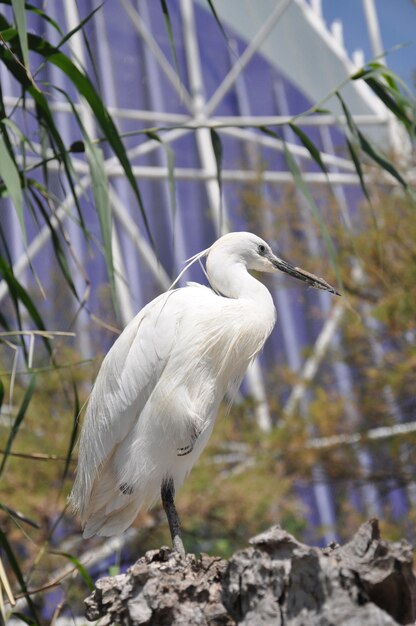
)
(261, 249)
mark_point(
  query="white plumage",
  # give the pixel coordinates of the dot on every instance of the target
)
(156, 396)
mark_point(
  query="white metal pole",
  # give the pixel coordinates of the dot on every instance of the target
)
(373, 28)
(247, 55)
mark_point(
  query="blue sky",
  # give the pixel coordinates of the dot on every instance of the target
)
(397, 24)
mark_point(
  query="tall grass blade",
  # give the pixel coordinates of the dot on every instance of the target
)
(310, 146)
(218, 153)
(217, 19)
(43, 113)
(391, 103)
(86, 89)
(79, 26)
(303, 188)
(56, 243)
(14, 564)
(168, 25)
(19, 516)
(11, 178)
(386, 85)
(4, 584)
(18, 420)
(358, 168)
(37, 11)
(102, 203)
(74, 433)
(170, 162)
(19, 11)
(348, 117)
(79, 566)
(368, 148)
(19, 294)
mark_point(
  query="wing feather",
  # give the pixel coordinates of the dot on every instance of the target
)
(126, 379)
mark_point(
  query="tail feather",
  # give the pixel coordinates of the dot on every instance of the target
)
(110, 509)
(104, 525)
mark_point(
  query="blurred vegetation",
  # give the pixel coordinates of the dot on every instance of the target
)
(376, 259)
(246, 480)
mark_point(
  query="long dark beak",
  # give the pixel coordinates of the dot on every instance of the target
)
(307, 277)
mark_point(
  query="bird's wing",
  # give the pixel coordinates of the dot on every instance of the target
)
(124, 383)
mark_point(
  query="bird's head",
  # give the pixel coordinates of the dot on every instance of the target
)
(256, 254)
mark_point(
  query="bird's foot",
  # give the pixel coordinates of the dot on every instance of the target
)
(168, 494)
(178, 546)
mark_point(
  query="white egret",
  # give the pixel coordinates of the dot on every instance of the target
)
(156, 396)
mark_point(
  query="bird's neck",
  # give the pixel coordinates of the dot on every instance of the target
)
(234, 281)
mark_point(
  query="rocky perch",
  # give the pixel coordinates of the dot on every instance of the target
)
(277, 581)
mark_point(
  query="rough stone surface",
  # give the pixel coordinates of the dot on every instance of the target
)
(164, 589)
(277, 581)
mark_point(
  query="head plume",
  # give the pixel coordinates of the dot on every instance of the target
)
(189, 262)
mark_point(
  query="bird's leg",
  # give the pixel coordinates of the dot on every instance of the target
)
(168, 495)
